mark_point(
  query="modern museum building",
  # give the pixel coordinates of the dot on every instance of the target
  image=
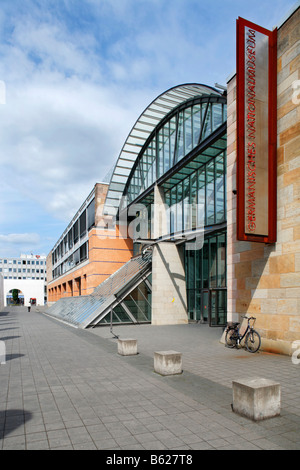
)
(200, 219)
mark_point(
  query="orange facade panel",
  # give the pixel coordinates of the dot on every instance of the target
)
(107, 253)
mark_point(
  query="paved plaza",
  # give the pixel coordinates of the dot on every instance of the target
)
(64, 388)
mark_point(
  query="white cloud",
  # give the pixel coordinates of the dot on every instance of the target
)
(61, 129)
(13, 244)
(60, 138)
(78, 74)
(20, 238)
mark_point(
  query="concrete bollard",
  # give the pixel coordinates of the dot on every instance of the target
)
(127, 347)
(168, 362)
(256, 398)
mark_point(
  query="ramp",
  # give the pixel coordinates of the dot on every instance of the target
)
(126, 295)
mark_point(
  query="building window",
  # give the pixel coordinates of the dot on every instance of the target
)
(66, 247)
(76, 257)
(70, 238)
(206, 280)
(83, 252)
(82, 224)
(75, 232)
(91, 214)
(175, 139)
(199, 199)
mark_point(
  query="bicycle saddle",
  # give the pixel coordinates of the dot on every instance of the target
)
(232, 324)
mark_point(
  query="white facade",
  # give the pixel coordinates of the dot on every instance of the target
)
(31, 289)
(27, 274)
(32, 267)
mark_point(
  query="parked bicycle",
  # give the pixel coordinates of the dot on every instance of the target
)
(233, 337)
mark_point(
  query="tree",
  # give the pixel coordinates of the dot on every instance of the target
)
(15, 295)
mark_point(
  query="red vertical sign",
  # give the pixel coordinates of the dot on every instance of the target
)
(256, 132)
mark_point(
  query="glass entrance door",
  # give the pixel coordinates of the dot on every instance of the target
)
(204, 306)
(208, 306)
(206, 281)
(217, 307)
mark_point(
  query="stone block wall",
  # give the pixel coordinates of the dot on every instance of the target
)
(264, 280)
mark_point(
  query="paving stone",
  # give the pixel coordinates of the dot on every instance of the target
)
(70, 390)
(40, 445)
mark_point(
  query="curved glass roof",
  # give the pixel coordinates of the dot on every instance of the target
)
(141, 130)
(174, 141)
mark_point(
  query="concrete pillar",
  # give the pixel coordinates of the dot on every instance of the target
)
(159, 225)
(169, 302)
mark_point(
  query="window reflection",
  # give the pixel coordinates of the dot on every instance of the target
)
(173, 141)
(206, 276)
(199, 199)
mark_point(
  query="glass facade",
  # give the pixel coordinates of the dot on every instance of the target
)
(186, 157)
(173, 160)
(198, 200)
(206, 280)
(138, 138)
(136, 306)
(72, 248)
(175, 138)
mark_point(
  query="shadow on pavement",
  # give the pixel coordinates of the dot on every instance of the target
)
(10, 420)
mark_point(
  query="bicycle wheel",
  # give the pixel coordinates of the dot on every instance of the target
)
(230, 338)
(252, 341)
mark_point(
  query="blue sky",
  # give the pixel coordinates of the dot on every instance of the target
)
(77, 74)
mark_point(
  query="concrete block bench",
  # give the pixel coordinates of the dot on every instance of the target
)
(168, 362)
(256, 398)
(127, 347)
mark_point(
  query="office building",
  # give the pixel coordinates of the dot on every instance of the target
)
(27, 275)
